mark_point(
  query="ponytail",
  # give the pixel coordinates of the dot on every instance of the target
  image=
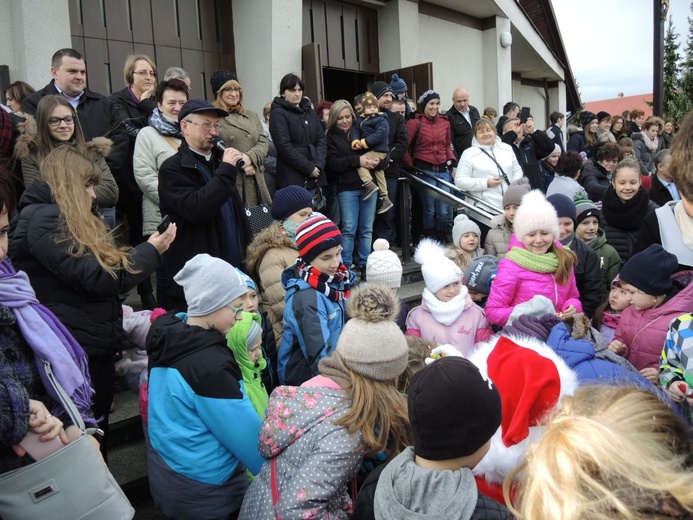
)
(567, 260)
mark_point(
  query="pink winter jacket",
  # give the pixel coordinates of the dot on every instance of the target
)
(644, 332)
(467, 330)
(514, 285)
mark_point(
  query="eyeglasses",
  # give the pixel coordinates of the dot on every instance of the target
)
(207, 127)
(55, 121)
(238, 313)
(233, 90)
(146, 73)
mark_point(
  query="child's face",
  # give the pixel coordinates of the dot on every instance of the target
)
(251, 304)
(618, 298)
(370, 109)
(477, 297)
(587, 229)
(566, 226)
(448, 292)
(328, 261)
(538, 242)
(469, 242)
(255, 352)
(553, 159)
(510, 210)
(638, 299)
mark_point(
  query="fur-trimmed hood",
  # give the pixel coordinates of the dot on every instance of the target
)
(26, 142)
(268, 238)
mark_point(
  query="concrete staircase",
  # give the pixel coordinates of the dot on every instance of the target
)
(127, 449)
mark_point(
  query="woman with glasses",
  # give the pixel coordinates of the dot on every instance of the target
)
(75, 266)
(134, 104)
(242, 130)
(56, 124)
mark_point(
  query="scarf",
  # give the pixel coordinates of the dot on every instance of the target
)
(6, 133)
(610, 319)
(164, 125)
(48, 339)
(549, 167)
(628, 215)
(651, 145)
(685, 224)
(290, 228)
(546, 263)
(446, 313)
(325, 284)
(333, 367)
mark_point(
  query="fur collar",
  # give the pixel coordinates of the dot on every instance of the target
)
(26, 143)
(265, 240)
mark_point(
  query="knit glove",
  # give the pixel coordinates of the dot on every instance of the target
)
(442, 351)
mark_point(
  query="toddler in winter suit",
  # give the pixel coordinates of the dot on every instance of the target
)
(371, 132)
(447, 313)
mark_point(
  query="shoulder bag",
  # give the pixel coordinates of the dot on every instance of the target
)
(71, 484)
(319, 200)
(259, 216)
(501, 173)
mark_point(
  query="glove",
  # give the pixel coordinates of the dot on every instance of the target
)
(442, 351)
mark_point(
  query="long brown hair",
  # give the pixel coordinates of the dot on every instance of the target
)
(67, 172)
(379, 412)
(567, 260)
(44, 142)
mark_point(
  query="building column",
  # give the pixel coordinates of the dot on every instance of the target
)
(268, 39)
(398, 34)
(497, 66)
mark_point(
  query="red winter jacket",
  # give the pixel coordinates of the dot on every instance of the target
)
(433, 144)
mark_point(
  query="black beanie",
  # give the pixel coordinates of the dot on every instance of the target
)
(289, 200)
(650, 270)
(563, 205)
(219, 79)
(379, 88)
(453, 410)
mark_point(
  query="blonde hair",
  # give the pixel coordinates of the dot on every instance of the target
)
(67, 172)
(130, 63)
(220, 103)
(335, 110)
(566, 262)
(379, 412)
(610, 452)
(461, 257)
(419, 349)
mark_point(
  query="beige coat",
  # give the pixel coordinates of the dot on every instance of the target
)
(268, 255)
(99, 148)
(498, 237)
(243, 131)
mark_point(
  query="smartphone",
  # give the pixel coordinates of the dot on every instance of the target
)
(37, 449)
(163, 225)
(524, 115)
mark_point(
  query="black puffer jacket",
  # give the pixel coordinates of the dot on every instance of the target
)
(398, 140)
(300, 141)
(624, 241)
(342, 161)
(78, 291)
(461, 131)
(595, 180)
(588, 277)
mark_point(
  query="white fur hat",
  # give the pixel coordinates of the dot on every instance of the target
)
(437, 269)
(535, 214)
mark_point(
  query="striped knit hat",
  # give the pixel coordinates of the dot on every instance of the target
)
(316, 234)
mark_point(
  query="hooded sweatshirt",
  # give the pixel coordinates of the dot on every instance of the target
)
(409, 492)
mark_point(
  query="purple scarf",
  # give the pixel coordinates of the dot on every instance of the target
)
(48, 338)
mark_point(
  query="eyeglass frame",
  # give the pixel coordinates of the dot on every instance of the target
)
(209, 125)
(145, 73)
(233, 89)
(56, 121)
(238, 311)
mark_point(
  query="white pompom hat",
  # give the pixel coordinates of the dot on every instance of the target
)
(437, 269)
(535, 214)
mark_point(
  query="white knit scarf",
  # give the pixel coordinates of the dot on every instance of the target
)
(685, 224)
(446, 313)
(649, 143)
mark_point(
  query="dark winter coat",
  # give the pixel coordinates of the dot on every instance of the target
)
(343, 161)
(588, 277)
(529, 152)
(433, 147)
(397, 141)
(643, 154)
(624, 241)
(195, 206)
(556, 135)
(595, 180)
(461, 132)
(650, 234)
(578, 143)
(659, 194)
(300, 141)
(97, 117)
(78, 291)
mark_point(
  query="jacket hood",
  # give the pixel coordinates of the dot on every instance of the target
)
(600, 239)
(170, 339)
(236, 340)
(498, 221)
(294, 411)
(268, 238)
(280, 102)
(573, 129)
(26, 142)
(406, 491)
(38, 193)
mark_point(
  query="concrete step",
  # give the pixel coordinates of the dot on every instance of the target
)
(125, 421)
(411, 293)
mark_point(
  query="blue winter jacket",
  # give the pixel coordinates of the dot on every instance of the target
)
(312, 324)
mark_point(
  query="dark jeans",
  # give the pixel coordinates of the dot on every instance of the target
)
(102, 373)
(385, 226)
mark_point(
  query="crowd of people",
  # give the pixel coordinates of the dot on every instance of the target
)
(283, 375)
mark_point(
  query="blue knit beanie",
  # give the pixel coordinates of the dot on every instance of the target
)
(289, 200)
(397, 85)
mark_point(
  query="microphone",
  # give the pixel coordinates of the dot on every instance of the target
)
(219, 143)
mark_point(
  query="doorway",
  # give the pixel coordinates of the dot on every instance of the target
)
(344, 84)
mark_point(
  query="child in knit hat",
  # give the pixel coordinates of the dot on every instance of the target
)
(370, 133)
(608, 314)
(454, 411)
(466, 237)
(548, 167)
(657, 296)
(315, 436)
(384, 266)
(535, 264)
(479, 276)
(317, 289)
(498, 237)
(447, 313)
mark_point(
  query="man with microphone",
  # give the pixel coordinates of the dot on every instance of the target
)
(197, 190)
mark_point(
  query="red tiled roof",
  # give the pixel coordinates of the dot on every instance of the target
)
(619, 104)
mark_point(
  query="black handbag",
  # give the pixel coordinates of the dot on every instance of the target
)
(319, 200)
(259, 217)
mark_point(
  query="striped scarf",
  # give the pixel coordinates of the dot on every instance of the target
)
(324, 283)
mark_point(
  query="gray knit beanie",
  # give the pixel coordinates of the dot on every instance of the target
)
(254, 334)
(209, 283)
(461, 226)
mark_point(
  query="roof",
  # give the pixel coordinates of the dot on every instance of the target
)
(618, 105)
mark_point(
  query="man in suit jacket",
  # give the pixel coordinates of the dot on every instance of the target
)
(463, 117)
(663, 188)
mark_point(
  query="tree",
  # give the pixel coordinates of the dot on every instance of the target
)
(672, 73)
(685, 90)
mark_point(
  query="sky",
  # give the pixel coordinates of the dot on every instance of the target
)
(609, 43)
